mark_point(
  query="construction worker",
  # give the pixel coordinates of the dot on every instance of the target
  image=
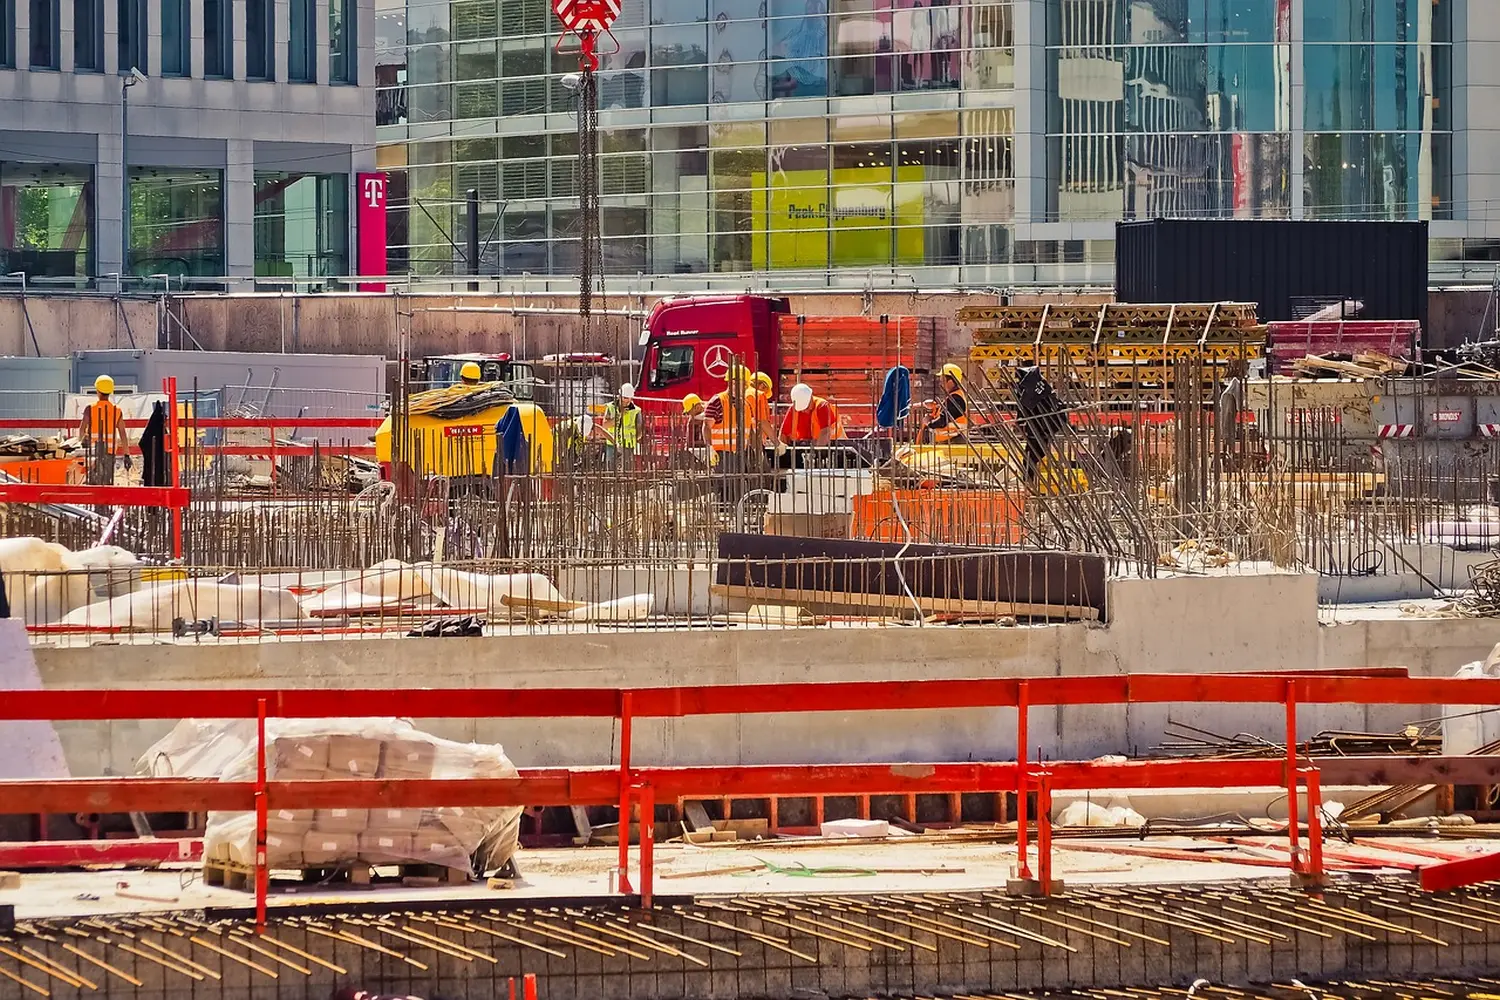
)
(699, 438)
(102, 430)
(1042, 417)
(812, 420)
(740, 416)
(470, 374)
(764, 403)
(948, 419)
(622, 429)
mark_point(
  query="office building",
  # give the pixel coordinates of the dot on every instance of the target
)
(234, 130)
(988, 142)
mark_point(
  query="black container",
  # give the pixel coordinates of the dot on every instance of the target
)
(1283, 267)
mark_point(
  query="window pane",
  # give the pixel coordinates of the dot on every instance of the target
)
(1364, 88)
(926, 40)
(990, 62)
(218, 38)
(1365, 176)
(260, 31)
(302, 61)
(48, 225)
(88, 31)
(862, 41)
(737, 47)
(176, 222)
(340, 41)
(174, 37)
(44, 34)
(301, 225)
(799, 48)
(679, 47)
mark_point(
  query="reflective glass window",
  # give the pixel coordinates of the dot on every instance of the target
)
(46, 229)
(176, 222)
(799, 48)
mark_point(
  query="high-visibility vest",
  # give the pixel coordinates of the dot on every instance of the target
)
(624, 426)
(955, 426)
(806, 425)
(104, 422)
(736, 426)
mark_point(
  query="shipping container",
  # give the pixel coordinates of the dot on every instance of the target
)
(244, 384)
(34, 387)
(1284, 267)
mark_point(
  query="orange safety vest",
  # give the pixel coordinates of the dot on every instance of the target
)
(734, 428)
(104, 422)
(806, 425)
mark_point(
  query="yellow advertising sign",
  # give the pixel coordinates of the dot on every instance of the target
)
(861, 219)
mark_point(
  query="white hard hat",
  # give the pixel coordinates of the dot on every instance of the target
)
(802, 395)
(627, 391)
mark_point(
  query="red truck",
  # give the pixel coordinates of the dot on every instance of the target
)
(689, 343)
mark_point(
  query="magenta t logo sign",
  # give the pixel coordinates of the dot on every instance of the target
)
(374, 190)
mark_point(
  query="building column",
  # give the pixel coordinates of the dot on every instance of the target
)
(65, 29)
(238, 17)
(195, 39)
(239, 208)
(22, 17)
(108, 206)
(1031, 112)
(320, 21)
(1297, 87)
(111, 37)
(283, 19)
(153, 34)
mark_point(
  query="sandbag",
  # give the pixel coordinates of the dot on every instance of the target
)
(478, 592)
(152, 609)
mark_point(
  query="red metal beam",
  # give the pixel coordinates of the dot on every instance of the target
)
(1457, 874)
(110, 496)
(73, 853)
(742, 699)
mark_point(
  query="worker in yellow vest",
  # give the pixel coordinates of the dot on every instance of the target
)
(102, 430)
(622, 429)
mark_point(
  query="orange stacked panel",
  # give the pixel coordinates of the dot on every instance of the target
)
(952, 517)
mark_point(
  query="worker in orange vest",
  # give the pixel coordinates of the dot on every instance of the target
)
(102, 430)
(741, 415)
(812, 420)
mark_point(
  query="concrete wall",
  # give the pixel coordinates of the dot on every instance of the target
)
(1173, 626)
(520, 324)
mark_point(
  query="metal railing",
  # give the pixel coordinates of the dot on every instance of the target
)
(628, 784)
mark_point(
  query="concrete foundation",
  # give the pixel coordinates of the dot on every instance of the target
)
(1131, 945)
(1182, 625)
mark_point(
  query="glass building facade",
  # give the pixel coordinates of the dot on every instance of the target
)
(948, 139)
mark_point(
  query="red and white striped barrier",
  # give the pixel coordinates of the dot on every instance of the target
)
(1398, 430)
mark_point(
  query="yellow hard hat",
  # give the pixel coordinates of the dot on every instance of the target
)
(691, 400)
(954, 372)
(104, 385)
(470, 371)
(763, 382)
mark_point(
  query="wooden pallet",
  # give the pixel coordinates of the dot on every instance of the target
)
(241, 877)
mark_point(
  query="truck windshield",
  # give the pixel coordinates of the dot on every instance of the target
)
(673, 364)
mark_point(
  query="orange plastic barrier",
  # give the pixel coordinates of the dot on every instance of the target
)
(959, 517)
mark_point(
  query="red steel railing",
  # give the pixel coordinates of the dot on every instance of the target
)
(626, 783)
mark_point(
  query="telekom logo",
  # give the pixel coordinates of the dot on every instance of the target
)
(374, 192)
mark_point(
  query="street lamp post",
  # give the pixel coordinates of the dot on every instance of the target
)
(128, 78)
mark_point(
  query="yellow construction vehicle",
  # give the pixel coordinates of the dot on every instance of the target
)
(451, 432)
